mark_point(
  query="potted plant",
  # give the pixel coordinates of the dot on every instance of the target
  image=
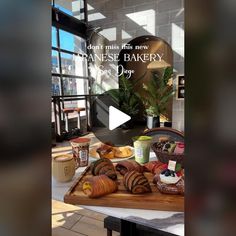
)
(157, 93)
(126, 99)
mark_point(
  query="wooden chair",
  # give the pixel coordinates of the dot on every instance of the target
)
(66, 111)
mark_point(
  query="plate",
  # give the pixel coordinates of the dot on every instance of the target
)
(94, 154)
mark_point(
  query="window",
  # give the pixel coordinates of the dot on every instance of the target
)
(54, 37)
(69, 67)
(73, 86)
(72, 42)
(55, 62)
(73, 8)
(56, 86)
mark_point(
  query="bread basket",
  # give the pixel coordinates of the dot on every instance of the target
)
(164, 157)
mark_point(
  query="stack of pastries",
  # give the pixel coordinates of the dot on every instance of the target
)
(104, 180)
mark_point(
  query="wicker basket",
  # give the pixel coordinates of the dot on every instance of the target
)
(165, 157)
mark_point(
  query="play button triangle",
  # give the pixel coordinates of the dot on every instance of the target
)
(116, 118)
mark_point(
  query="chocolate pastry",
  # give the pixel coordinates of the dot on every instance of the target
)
(136, 182)
(103, 166)
(128, 165)
(152, 166)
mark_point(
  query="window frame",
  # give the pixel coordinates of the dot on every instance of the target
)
(70, 24)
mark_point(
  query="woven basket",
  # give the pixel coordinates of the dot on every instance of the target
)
(165, 157)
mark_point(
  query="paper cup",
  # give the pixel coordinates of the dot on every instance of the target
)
(63, 167)
(142, 148)
(80, 149)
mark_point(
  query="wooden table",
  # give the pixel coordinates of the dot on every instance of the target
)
(170, 222)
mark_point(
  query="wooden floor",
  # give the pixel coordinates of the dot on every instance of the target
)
(69, 220)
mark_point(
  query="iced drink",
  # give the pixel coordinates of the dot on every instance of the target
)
(142, 148)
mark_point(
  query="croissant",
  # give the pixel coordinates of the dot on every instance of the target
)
(152, 166)
(136, 182)
(106, 151)
(128, 165)
(103, 166)
(98, 186)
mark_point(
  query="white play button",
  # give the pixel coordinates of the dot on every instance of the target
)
(116, 118)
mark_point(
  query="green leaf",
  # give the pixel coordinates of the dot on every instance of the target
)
(124, 83)
(115, 95)
(167, 74)
(157, 93)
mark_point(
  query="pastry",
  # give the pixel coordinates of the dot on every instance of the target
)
(122, 152)
(180, 186)
(152, 166)
(106, 151)
(169, 177)
(163, 139)
(136, 182)
(159, 145)
(103, 166)
(179, 149)
(170, 182)
(168, 188)
(128, 165)
(169, 147)
(98, 186)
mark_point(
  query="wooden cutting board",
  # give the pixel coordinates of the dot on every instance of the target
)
(124, 199)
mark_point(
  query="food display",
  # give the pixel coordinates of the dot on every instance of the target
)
(136, 182)
(103, 166)
(128, 165)
(166, 180)
(154, 185)
(130, 185)
(98, 186)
